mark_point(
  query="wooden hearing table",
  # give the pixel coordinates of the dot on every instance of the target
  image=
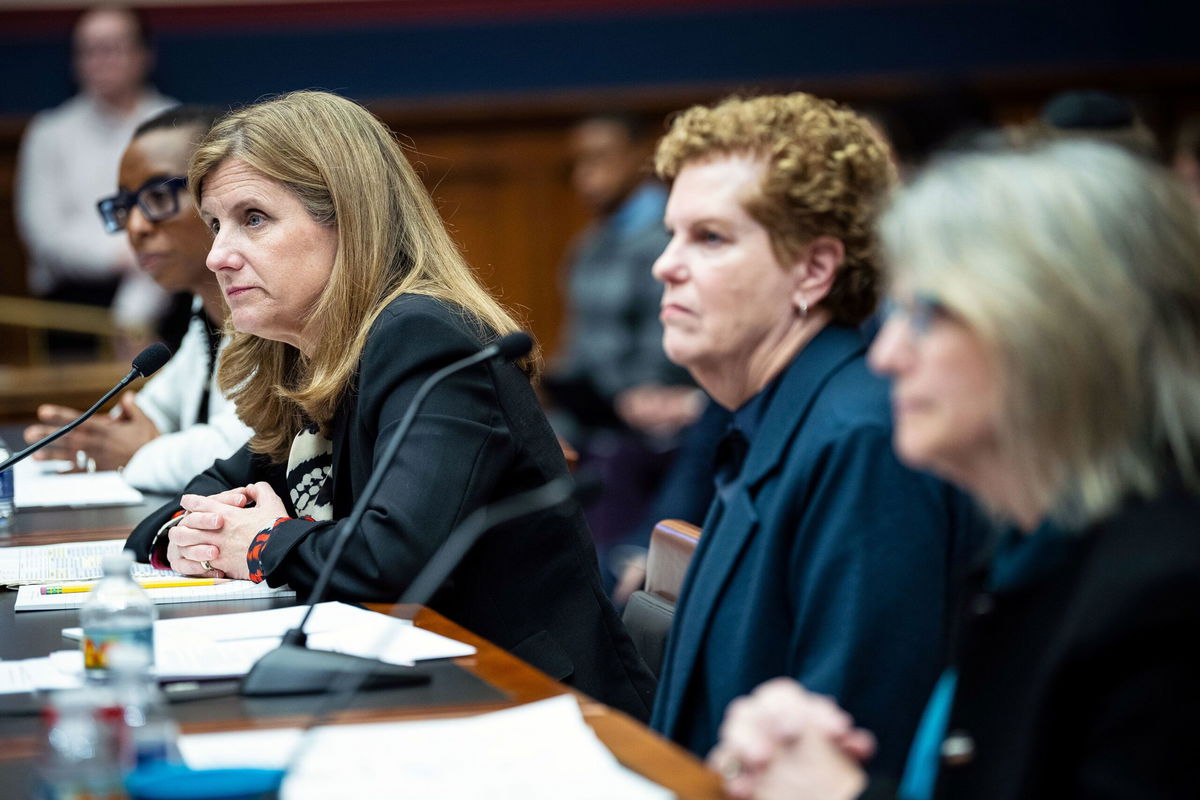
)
(36, 633)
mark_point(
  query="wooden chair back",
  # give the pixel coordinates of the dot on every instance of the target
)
(650, 610)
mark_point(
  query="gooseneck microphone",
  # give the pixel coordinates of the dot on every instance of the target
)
(555, 493)
(483, 519)
(145, 364)
(292, 668)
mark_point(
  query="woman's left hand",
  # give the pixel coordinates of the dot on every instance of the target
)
(775, 731)
(813, 766)
(229, 527)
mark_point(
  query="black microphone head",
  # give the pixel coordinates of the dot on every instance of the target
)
(515, 345)
(150, 360)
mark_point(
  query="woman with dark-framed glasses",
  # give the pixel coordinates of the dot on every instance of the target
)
(180, 422)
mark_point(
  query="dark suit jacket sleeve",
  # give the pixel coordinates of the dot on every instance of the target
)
(1139, 724)
(240, 469)
(868, 592)
(449, 464)
(1138, 691)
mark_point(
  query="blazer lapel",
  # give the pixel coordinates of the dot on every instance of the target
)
(342, 477)
(802, 382)
(709, 572)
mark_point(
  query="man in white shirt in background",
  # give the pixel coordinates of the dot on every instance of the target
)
(68, 160)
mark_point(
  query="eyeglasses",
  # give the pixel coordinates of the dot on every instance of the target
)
(920, 311)
(158, 199)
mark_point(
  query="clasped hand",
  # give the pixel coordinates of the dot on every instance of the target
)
(783, 741)
(219, 529)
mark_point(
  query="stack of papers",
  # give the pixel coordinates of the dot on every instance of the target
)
(64, 566)
(71, 561)
(32, 598)
(227, 645)
(538, 750)
(41, 484)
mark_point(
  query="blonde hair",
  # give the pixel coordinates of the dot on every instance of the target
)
(1078, 265)
(348, 170)
(826, 171)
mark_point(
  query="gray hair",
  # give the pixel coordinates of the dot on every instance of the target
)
(1078, 265)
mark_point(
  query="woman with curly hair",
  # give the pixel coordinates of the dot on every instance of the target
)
(822, 557)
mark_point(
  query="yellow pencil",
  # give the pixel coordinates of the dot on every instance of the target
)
(160, 584)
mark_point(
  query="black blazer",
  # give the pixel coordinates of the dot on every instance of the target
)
(532, 586)
(1085, 682)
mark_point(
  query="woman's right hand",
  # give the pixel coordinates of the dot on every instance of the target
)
(779, 736)
(192, 541)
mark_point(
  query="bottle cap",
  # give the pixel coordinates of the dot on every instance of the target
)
(117, 563)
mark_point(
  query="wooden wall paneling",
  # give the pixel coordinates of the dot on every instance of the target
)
(506, 199)
(15, 343)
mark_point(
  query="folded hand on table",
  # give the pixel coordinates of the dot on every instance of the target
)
(783, 741)
(219, 529)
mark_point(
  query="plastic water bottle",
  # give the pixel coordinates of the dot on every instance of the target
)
(80, 757)
(148, 734)
(6, 491)
(117, 612)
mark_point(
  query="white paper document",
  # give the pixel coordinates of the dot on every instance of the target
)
(39, 484)
(32, 674)
(227, 645)
(70, 561)
(538, 750)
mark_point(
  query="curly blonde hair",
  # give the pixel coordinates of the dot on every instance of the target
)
(827, 170)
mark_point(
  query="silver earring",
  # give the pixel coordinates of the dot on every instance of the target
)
(803, 310)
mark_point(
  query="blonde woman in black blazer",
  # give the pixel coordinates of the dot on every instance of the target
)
(346, 293)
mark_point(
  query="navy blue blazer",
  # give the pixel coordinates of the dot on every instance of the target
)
(830, 562)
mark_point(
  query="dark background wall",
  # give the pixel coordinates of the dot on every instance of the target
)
(486, 90)
(417, 50)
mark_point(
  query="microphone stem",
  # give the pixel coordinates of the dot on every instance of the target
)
(431, 576)
(350, 525)
(438, 568)
(64, 430)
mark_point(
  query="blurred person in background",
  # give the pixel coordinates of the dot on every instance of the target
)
(68, 160)
(915, 126)
(1044, 345)
(822, 557)
(180, 422)
(616, 397)
(347, 294)
(1185, 160)
(1092, 114)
